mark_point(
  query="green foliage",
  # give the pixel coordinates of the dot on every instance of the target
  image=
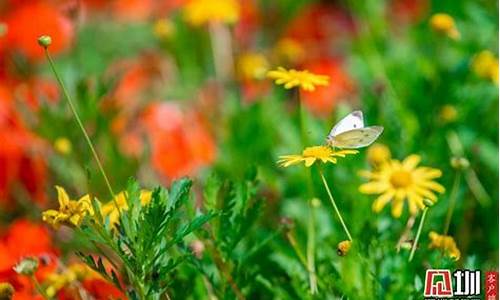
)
(145, 242)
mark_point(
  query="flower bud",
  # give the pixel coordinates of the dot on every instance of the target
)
(287, 223)
(459, 163)
(6, 290)
(315, 202)
(44, 41)
(62, 145)
(428, 202)
(27, 266)
(198, 248)
(343, 248)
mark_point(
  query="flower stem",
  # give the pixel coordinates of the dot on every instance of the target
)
(419, 231)
(311, 240)
(453, 202)
(79, 121)
(291, 239)
(335, 205)
(222, 51)
(39, 288)
(406, 232)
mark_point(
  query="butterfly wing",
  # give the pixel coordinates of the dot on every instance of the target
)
(356, 138)
(352, 121)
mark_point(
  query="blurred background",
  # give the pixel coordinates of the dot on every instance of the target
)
(177, 88)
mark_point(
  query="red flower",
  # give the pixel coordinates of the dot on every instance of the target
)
(408, 10)
(22, 239)
(180, 141)
(322, 101)
(21, 159)
(319, 26)
(31, 19)
(101, 289)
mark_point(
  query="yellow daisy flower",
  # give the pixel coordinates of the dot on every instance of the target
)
(445, 24)
(199, 12)
(293, 78)
(396, 181)
(54, 282)
(252, 66)
(311, 154)
(445, 243)
(62, 145)
(163, 28)
(289, 50)
(485, 65)
(70, 211)
(378, 154)
(109, 209)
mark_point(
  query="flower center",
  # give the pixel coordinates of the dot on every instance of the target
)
(317, 151)
(401, 179)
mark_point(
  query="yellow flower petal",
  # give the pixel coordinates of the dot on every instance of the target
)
(62, 197)
(432, 185)
(425, 193)
(374, 187)
(428, 173)
(381, 201)
(306, 80)
(310, 161)
(411, 162)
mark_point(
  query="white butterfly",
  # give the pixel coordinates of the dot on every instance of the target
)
(351, 132)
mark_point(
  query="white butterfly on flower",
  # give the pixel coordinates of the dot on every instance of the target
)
(351, 132)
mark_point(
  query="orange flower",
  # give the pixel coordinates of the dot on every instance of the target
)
(180, 141)
(21, 155)
(132, 10)
(27, 21)
(322, 101)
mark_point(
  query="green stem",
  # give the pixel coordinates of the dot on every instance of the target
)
(302, 118)
(335, 205)
(291, 239)
(453, 201)
(419, 231)
(79, 121)
(311, 241)
(39, 288)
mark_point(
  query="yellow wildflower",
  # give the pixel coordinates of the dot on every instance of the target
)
(311, 154)
(445, 24)
(448, 113)
(485, 65)
(378, 154)
(109, 209)
(163, 28)
(70, 211)
(252, 66)
(289, 50)
(199, 12)
(396, 181)
(62, 145)
(445, 243)
(303, 79)
(75, 272)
